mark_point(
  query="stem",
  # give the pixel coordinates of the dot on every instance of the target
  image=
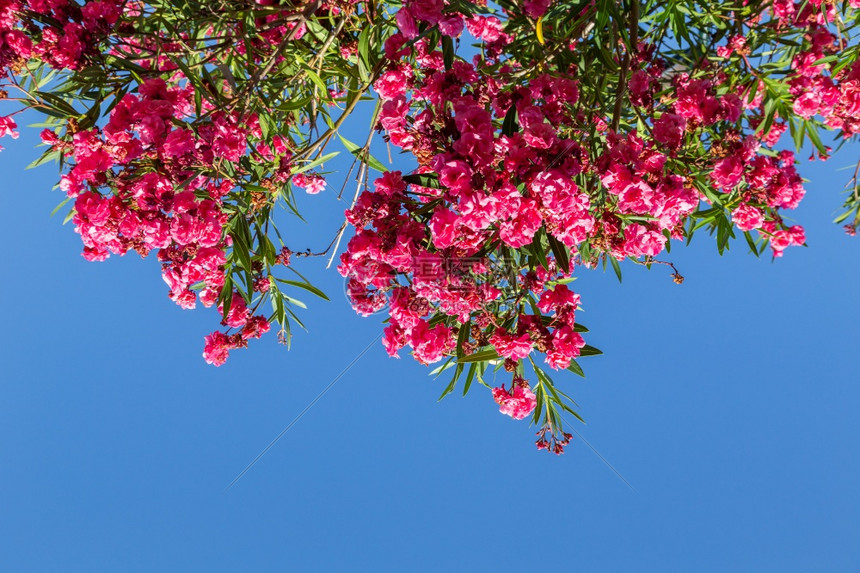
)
(633, 39)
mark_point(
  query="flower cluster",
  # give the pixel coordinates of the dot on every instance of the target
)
(517, 164)
(66, 36)
(170, 169)
(576, 135)
(517, 403)
(172, 209)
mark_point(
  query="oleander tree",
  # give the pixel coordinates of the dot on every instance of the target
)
(537, 137)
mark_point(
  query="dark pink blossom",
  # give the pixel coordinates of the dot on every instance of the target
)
(217, 348)
(517, 403)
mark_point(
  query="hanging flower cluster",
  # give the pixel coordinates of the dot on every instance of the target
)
(182, 166)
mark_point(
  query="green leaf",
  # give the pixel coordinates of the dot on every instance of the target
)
(307, 286)
(573, 412)
(751, 243)
(469, 377)
(323, 88)
(560, 252)
(450, 387)
(316, 162)
(58, 104)
(240, 251)
(365, 157)
(49, 155)
(510, 125)
(483, 356)
(226, 297)
(294, 104)
(60, 206)
(462, 337)
(294, 301)
(576, 368)
(364, 52)
(588, 350)
(537, 249)
(429, 180)
(615, 267)
(448, 51)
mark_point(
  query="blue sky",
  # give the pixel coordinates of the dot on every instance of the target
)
(729, 403)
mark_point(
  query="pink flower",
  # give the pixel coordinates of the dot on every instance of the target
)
(238, 314)
(406, 24)
(20, 43)
(7, 127)
(451, 25)
(536, 8)
(727, 172)
(392, 83)
(93, 208)
(217, 348)
(431, 344)
(784, 238)
(557, 299)
(566, 345)
(177, 143)
(429, 11)
(511, 346)
(455, 175)
(312, 184)
(807, 104)
(747, 217)
(393, 339)
(390, 183)
(486, 28)
(230, 141)
(256, 327)
(520, 230)
(443, 226)
(518, 403)
(639, 240)
(669, 129)
(186, 300)
(640, 88)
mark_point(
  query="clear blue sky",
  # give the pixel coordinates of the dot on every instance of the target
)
(730, 403)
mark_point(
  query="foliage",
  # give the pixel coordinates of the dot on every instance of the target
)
(547, 135)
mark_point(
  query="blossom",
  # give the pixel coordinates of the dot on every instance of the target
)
(312, 184)
(517, 403)
(669, 129)
(8, 127)
(558, 298)
(566, 345)
(238, 314)
(256, 327)
(217, 348)
(443, 228)
(639, 240)
(511, 346)
(727, 172)
(747, 217)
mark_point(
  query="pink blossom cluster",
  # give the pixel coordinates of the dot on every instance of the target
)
(69, 32)
(423, 250)
(834, 97)
(162, 173)
(509, 167)
(756, 184)
(518, 402)
(8, 127)
(150, 157)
